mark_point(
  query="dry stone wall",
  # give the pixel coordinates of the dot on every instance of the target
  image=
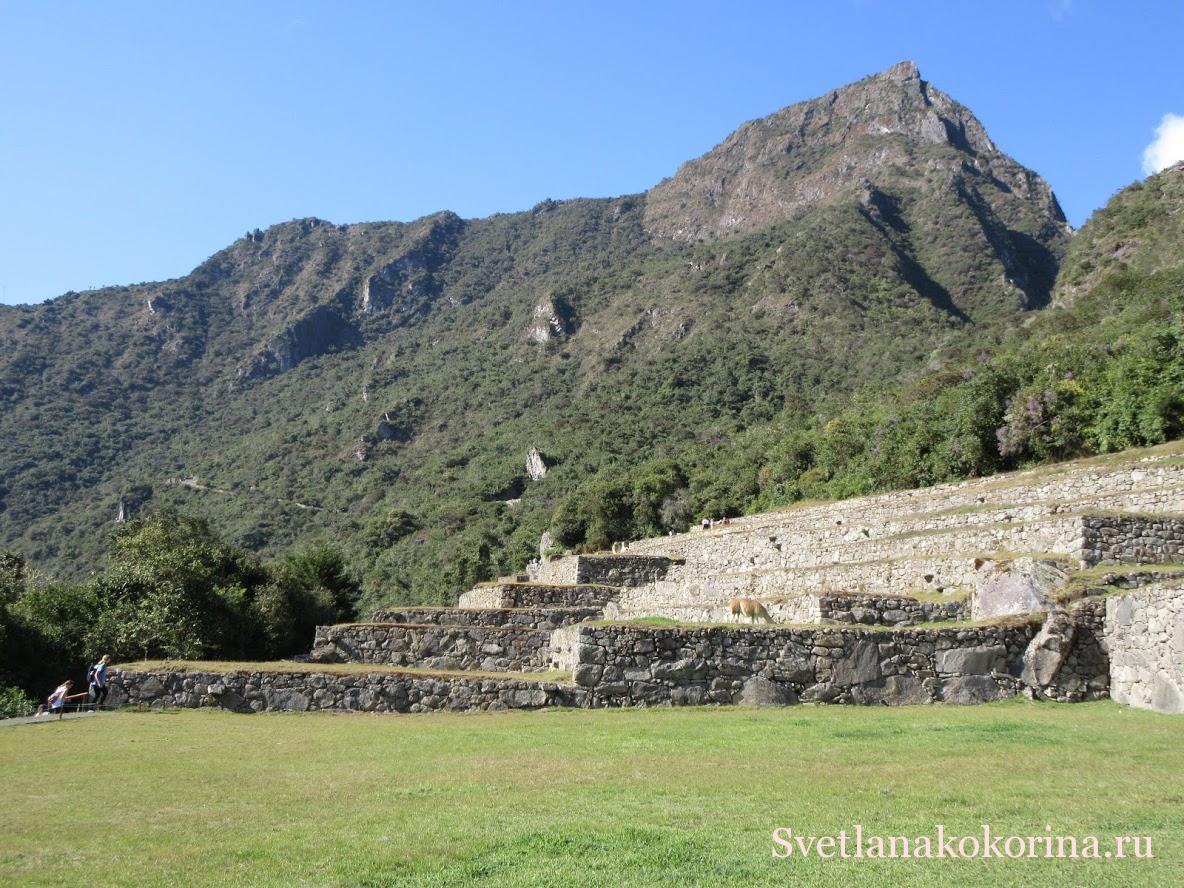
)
(915, 540)
(1144, 635)
(489, 648)
(1068, 661)
(363, 692)
(867, 610)
(1132, 539)
(609, 570)
(537, 595)
(527, 618)
(880, 610)
(1152, 484)
(622, 665)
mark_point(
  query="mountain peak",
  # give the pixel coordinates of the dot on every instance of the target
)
(891, 129)
(906, 70)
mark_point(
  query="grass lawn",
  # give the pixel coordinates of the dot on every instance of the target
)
(561, 797)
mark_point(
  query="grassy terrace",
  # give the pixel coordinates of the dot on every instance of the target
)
(607, 798)
(1170, 453)
(331, 669)
(1091, 580)
(668, 623)
(380, 624)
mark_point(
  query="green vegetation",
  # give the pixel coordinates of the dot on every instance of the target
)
(170, 588)
(379, 385)
(640, 797)
(375, 385)
(15, 703)
(1089, 580)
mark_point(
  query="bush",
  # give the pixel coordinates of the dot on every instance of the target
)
(15, 703)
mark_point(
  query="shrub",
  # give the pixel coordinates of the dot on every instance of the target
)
(15, 703)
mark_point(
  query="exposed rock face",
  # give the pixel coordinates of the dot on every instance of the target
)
(552, 319)
(890, 143)
(1016, 586)
(536, 468)
(1068, 659)
(321, 330)
(409, 284)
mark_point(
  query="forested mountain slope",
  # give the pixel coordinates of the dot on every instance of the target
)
(380, 384)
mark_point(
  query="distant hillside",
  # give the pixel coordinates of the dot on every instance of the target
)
(1099, 371)
(380, 384)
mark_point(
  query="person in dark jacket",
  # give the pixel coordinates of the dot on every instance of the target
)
(98, 682)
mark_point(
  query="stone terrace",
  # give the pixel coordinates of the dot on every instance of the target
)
(921, 541)
(872, 596)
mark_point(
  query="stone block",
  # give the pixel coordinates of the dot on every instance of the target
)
(587, 675)
(895, 690)
(1014, 586)
(762, 692)
(860, 666)
(977, 660)
(680, 670)
(286, 700)
(968, 689)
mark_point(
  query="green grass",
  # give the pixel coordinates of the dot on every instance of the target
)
(668, 623)
(1088, 579)
(628, 797)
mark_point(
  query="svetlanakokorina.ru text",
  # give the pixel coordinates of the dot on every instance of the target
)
(857, 845)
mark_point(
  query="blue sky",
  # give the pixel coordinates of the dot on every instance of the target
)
(138, 138)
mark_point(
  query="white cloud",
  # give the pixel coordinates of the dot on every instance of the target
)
(1168, 147)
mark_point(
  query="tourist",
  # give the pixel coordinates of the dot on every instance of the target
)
(98, 682)
(56, 702)
(705, 524)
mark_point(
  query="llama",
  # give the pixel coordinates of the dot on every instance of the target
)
(754, 610)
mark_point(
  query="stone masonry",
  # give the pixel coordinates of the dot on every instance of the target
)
(247, 691)
(1144, 634)
(1132, 539)
(435, 646)
(526, 618)
(631, 665)
(869, 601)
(537, 595)
(609, 570)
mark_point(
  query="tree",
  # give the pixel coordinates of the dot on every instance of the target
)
(308, 588)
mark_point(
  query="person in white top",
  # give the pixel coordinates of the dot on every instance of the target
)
(56, 702)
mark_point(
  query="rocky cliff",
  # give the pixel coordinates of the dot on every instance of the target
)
(910, 156)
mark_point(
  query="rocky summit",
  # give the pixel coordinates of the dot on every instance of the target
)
(911, 157)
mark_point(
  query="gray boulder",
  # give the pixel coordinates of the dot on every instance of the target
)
(859, 667)
(978, 660)
(1014, 586)
(1047, 651)
(762, 692)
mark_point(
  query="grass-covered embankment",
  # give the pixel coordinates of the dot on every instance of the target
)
(561, 797)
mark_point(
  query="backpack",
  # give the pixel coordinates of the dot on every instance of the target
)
(90, 676)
